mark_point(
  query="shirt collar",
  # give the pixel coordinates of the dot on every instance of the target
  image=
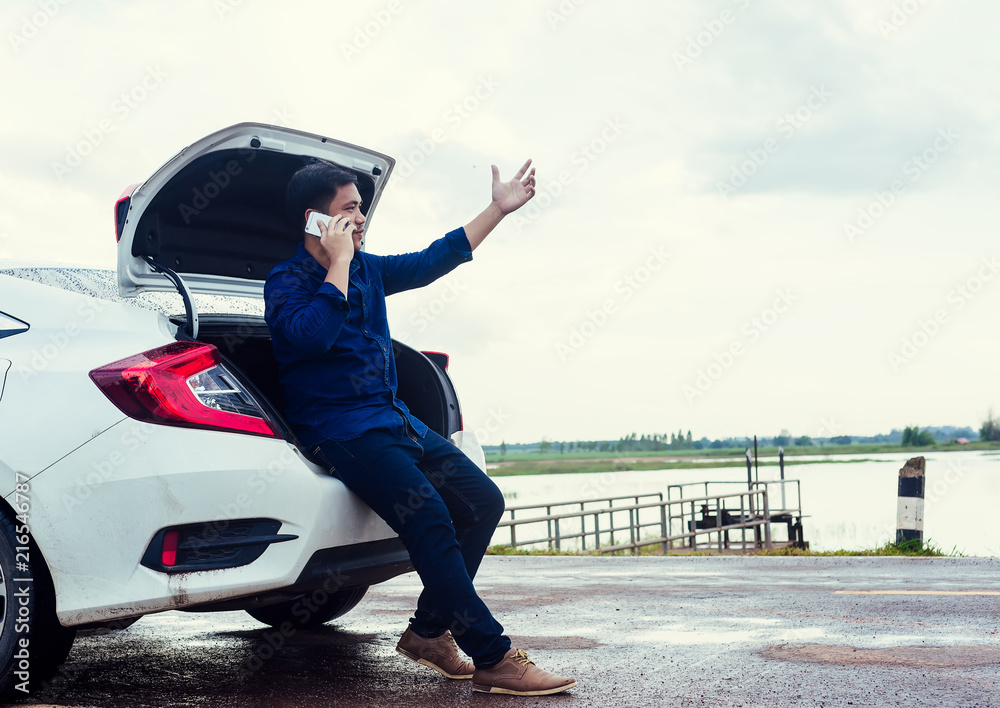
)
(309, 262)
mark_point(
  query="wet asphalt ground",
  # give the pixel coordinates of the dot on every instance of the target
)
(650, 631)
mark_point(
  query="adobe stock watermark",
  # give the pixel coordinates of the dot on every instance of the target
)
(218, 180)
(226, 7)
(786, 126)
(121, 108)
(624, 289)
(494, 422)
(303, 610)
(943, 485)
(365, 34)
(104, 470)
(31, 25)
(555, 16)
(751, 331)
(900, 15)
(931, 325)
(913, 170)
(697, 43)
(59, 339)
(459, 112)
(828, 428)
(601, 484)
(449, 290)
(586, 154)
(283, 117)
(425, 492)
(376, 369)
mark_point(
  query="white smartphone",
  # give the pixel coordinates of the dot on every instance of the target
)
(312, 224)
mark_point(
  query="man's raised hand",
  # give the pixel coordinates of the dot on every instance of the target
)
(511, 196)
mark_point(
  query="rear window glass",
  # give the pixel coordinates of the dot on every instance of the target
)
(103, 284)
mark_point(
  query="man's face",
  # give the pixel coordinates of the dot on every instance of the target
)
(348, 204)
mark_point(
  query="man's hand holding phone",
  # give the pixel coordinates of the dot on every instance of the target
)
(336, 234)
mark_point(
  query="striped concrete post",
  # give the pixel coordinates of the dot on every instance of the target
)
(910, 505)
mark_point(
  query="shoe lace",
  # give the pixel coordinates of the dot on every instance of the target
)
(521, 657)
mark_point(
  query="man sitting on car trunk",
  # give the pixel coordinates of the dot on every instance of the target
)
(326, 310)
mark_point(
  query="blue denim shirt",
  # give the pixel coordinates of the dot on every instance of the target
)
(334, 353)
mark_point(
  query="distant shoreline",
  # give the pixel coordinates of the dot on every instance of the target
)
(576, 462)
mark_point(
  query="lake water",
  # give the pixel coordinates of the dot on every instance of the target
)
(846, 505)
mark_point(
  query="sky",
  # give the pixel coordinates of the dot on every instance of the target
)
(752, 215)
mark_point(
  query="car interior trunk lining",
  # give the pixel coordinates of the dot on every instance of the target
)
(224, 214)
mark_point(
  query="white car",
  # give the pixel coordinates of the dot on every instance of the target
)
(144, 462)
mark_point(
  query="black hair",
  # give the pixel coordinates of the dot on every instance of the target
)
(312, 187)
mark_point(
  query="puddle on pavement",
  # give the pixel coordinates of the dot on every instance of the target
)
(692, 636)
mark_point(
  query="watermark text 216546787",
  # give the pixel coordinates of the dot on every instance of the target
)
(21, 608)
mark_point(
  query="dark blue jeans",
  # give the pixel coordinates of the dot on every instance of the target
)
(445, 510)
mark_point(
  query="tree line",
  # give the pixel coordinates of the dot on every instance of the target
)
(909, 436)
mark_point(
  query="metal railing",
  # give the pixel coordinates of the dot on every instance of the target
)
(781, 483)
(554, 535)
(601, 525)
(789, 512)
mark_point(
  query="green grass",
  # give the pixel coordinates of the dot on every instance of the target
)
(522, 467)
(906, 548)
(520, 463)
(508, 551)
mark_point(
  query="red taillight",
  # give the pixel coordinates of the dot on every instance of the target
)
(168, 556)
(439, 358)
(121, 210)
(182, 384)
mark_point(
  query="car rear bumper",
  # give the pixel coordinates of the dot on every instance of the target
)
(127, 484)
(329, 570)
(362, 564)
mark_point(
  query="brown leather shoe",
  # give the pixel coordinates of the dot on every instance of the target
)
(439, 653)
(519, 676)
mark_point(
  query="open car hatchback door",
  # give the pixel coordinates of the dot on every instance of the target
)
(215, 216)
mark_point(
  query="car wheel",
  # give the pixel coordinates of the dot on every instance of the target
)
(310, 610)
(32, 642)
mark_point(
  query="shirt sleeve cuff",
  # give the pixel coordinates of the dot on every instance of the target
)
(333, 293)
(458, 242)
